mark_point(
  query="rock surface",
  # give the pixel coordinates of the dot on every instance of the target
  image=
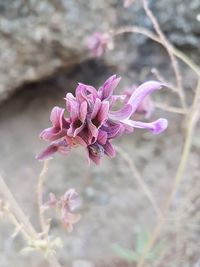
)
(39, 38)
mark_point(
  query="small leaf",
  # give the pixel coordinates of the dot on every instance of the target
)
(125, 254)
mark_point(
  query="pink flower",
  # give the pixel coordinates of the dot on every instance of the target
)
(98, 42)
(127, 3)
(93, 124)
(66, 205)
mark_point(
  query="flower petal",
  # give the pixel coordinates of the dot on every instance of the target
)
(56, 116)
(82, 91)
(60, 146)
(121, 114)
(52, 134)
(155, 127)
(141, 92)
(47, 153)
(102, 137)
(106, 91)
(96, 108)
(102, 115)
(109, 150)
(83, 111)
(96, 152)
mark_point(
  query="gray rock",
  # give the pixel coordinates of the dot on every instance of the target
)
(179, 19)
(40, 37)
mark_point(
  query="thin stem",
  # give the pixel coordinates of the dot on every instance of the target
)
(18, 227)
(162, 80)
(192, 119)
(169, 108)
(154, 37)
(139, 179)
(168, 49)
(40, 194)
(22, 219)
(15, 208)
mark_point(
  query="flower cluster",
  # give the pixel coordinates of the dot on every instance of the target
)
(98, 42)
(66, 205)
(93, 124)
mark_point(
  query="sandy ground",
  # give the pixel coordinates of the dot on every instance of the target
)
(114, 208)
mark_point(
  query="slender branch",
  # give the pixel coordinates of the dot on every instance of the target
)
(139, 179)
(192, 119)
(22, 219)
(40, 194)
(170, 108)
(18, 227)
(162, 80)
(154, 37)
(168, 49)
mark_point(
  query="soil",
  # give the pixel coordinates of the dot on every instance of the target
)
(114, 210)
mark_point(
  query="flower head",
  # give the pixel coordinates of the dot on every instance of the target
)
(127, 3)
(66, 205)
(93, 124)
(98, 42)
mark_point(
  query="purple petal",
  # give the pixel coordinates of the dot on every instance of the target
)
(101, 116)
(96, 108)
(121, 114)
(93, 129)
(106, 91)
(69, 98)
(109, 150)
(47, 153)
(56, 116)
(102, 137)
(73, 108)
(83, 111)
(60, 146)
(95, 152)
(82, 91)
(86, 135)
(141, 92)
(103, 112)
(77, 130)
(114, 131)
(80, 141)
(155, 127)
(52, 134)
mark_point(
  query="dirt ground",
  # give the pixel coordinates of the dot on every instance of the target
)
(115, 210)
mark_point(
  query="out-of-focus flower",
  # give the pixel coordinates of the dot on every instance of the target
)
(3, 207)
(127, 3)
(145, 108)
(93, 124)
(98, 42)
(66, 205)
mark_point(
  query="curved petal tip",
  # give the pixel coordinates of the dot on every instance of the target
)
(159, 126)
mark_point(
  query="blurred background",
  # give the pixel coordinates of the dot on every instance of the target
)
(43, 56)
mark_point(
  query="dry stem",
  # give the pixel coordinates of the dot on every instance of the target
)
(154, 37)
(40, 194)
(169, 108)
(192, 119)
(166, 44)
(22, 219)
(140, 180)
